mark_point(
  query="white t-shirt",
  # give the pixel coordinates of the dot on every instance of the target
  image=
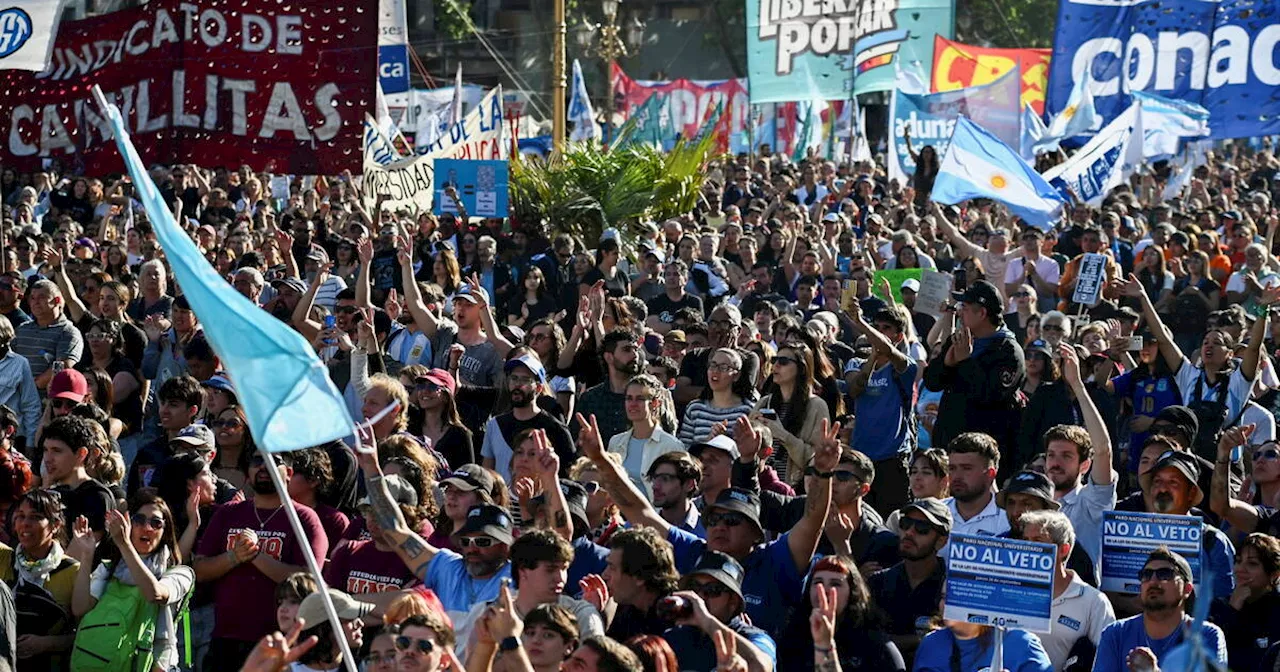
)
(1238, 388)
(1235, 283)
(1264, 424)
(1080, 611)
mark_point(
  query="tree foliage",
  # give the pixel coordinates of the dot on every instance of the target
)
(1006, 23)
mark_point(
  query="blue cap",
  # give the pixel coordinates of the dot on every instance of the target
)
(529, 362)
(219, 381)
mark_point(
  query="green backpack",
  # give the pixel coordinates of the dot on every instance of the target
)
(117, 635)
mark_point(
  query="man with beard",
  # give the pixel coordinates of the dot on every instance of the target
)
(974, 457)
(247, 549)
(1143, 641)
(909, 591)
(674, 479)
(722, 332)
(526, 378)
(607, 401)
(641, 571)
(1070, 452)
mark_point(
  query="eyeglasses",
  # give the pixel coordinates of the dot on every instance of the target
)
(920, 526)
(478, 542)
(842, 476)
(711, 590)
(1052, 327)
(425, 646)
(732, 519)
(1021, 295)
(1266, 454)
(780, 360)
(520, 380)
(378, 659)
(722, 368)
(538, 336)
(723, 324)
(154, 522)
(99, 337)
(1158, 574)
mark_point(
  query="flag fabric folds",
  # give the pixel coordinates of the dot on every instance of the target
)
(580, 111)
(287, 395)
(455, 105)
(1034, 134)
(28, 29)
(1104, 162)
(1079, 116)
(1167, 122)
(979, 165)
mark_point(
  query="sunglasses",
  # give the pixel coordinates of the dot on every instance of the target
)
(842, 476)
(780, 360)
(920, 526)
(154, 522)
(427, 387)
(592, 487)
(1021, 295)
(478, 542)
(225, 424)
(1052, 327)
(711, 590)
(258, 461)
(64, 403)
(1158, 574)
(726, 519)
(1266, 454)
(663, 478)
(425, 646)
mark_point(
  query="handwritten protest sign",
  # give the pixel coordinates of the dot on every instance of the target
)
(1005, 583)
(935, 289)
(1129, 537)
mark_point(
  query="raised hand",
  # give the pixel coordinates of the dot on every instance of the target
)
(276, 652)
(595, 591)
(747, 437)
(504, 622)
(193, 506)
(717, 429)
(839, 526)
(524, 489)
(456, 351)
(727, 658)
(1070, 364)
(284, 239)
(83, 544)
(589, 438)
(118, 527)
(1233, 438)
(545, 457)
(826, 454)
(364, 250)
(961, 346)
(1131, 286)
(393, 307)
(822, 622)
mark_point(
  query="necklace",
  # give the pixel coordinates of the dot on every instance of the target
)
(262, 524)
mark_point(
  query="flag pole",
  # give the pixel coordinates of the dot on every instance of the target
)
(282, 489)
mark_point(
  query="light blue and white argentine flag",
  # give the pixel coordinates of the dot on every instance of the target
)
(979, 165)
(1079, 116)
(580, 112)
(286, 392)
(1033, 135)
(377, 148)
(1104, 162)
(1166, 122)
(27, 32)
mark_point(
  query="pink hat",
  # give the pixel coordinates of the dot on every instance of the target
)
(69, 384)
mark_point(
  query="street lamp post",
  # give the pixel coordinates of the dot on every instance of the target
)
(558, 79)
(610, 47)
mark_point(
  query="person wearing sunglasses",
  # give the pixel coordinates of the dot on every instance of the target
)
(424, 643)
(1242, 515)
(1143, 641)
(712, 600)
(908, 592)
(144, 553)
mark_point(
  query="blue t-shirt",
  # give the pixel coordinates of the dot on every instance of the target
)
(771, 585)
(1219, 557)
(1149, 396)
(697, 653)
(458, 590)
(1023, 652)
(881, 430)
(1121, 637)
(588, 558)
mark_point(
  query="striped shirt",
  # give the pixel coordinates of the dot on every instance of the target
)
(701, 416)
(44, 345)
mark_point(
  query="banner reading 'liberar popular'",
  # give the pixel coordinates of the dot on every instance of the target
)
(810, 50)
(280, 87)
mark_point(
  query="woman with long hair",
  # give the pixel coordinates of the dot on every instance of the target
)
(796, 411)
(434, 418)
(764, 352)
(43, 577)
(470, 253)
(145, 554)
(547, 340)
(115, 260)
(1195, 295)
(447, 273)
(724, 405)
(1153, 273)
(16, 479)
(534, 303)
(346, 262)
(1248, 616)
(826, 384)
(1024, 311)
(235, 446)
(1041, 367)
(101, 394)
(187, 484)
(1150, 387)
(928, 475)
(859, 641)
(106, 354)
(654, 652)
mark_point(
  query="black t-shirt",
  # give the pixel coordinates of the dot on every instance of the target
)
(694, 367)
(129, 409)
(135, 339)
(457, 446)
(90, 499)
(556, 431)
(908, 608)
(616, 286)
(665, 309)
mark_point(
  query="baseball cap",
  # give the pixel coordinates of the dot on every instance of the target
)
(934, 510)
(911, 284)
(1186, 465)
(656, 254)
(722, 568)
(400, 490)
(721, 442)
(740, 501)
(87, 242)
(69, 384)
(195, 435)
(219, 381)
(489, 520)
(1180, 565)
(470, 477)
(292, 283)
(831, 217)
(530, 362)
(349, 608)
(441, 378)
(1041, 346)
(471, 294)
(1031, 483)
(575, 497)
(983, 294)
(675, 336)
(1181, 417)
(317, 254)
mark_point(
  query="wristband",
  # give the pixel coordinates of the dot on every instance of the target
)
(823, 474)
(509, 644)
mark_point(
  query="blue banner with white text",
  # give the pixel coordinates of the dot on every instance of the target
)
(1221, 55)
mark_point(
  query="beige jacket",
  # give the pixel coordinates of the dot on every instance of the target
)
(799, 448)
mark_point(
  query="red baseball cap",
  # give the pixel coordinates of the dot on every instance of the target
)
(69, 384)
(441, 378)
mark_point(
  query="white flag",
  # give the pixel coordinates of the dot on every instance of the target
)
(580, 112)
(455, 107)
(1105, 161)
(28, 29)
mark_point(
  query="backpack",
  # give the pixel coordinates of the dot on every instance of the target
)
(117, 635)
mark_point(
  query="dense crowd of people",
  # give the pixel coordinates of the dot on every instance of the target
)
(723, 441)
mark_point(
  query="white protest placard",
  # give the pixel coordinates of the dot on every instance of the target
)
(280, 187)
(1093, 268)
(935, 290)
(1006, 583)
(410, 182)
(1129, 537)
